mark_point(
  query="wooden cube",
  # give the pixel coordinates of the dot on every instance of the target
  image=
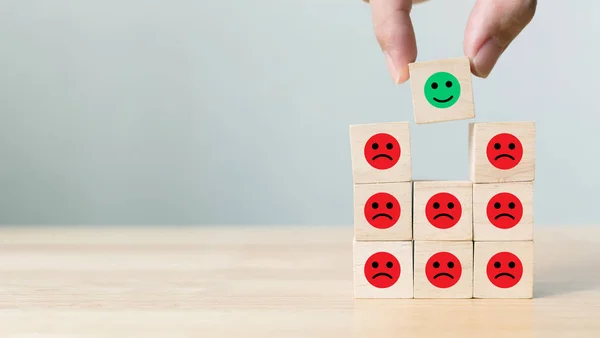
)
(501, 152)
(383, 211)
(503, 211)
(442, 210)
(383, 269)
(380, 152)
(442, 90)
(443, 269)
(503, 270)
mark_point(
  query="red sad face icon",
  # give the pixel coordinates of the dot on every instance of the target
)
(443, 270)
(443, 210)
(382, 210)
(504, 210)
(504, 270)
(382, 151)
(504, 151)
(382, 270)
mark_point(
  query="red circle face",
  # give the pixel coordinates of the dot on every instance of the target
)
(443, 210)
(504, 151)
(504, 270)
(504, 210)
(382, 270)
(382, 210)
(382, 151)
(443, 270)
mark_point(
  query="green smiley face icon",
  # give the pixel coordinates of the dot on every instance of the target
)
(442, 90)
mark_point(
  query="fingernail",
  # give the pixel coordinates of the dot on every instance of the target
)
(399, 74)
(486, 58)
(392, 67)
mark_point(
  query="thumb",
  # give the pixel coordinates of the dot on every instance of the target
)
(492, 26)
(395, 35)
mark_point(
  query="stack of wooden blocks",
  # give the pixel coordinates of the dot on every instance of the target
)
(443, 239)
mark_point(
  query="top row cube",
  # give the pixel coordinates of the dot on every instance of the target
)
(442, 90)
(498, 152)
(381, 152)
(502, 152)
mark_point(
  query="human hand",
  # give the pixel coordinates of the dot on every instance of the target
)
(491, 27)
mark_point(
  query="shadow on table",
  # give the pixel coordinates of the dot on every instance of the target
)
(566, 270)
(564, 280)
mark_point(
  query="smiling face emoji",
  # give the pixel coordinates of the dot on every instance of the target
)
(443, 210)
(504, 210)
(443, 270)
(382, 210)
(442, 90)
(382, 270)
(504, 270)
(504, 151)
(382, 151)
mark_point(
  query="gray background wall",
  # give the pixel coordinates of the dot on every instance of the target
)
(226, 112)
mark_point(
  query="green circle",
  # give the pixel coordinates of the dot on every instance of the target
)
(442, 90)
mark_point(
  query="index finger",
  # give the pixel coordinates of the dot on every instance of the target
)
(395, 34)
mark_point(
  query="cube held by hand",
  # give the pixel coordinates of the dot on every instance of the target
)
(442, 90)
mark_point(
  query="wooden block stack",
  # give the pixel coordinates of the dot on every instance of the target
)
(443, 239)
(502, 169)
(382, 174)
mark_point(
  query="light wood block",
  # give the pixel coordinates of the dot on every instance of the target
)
(383, 211)
(501, 152)
(443, 210)
(503, 211)
(503, 270)
(442, 90)
(443, 269)
(380, 152)
(383, 269)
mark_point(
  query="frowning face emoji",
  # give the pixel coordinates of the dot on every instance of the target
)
(382, 210)
(504, 210)
(504, 151)
(382, 151)
(443, 270)
(504, 270)
(382, 270)
(443, 210)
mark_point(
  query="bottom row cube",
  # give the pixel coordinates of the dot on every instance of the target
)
(443, 269)
(503, 270)
(383, 269)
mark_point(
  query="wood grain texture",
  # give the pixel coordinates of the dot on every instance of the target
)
(362, 170)
(435, 226)
(264, 282)
(428, 252)
(486, 253)
(400, 252)
(396, 227)
(482, 136)
(488, 194)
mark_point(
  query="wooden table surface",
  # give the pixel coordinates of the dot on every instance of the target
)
(264, 282)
